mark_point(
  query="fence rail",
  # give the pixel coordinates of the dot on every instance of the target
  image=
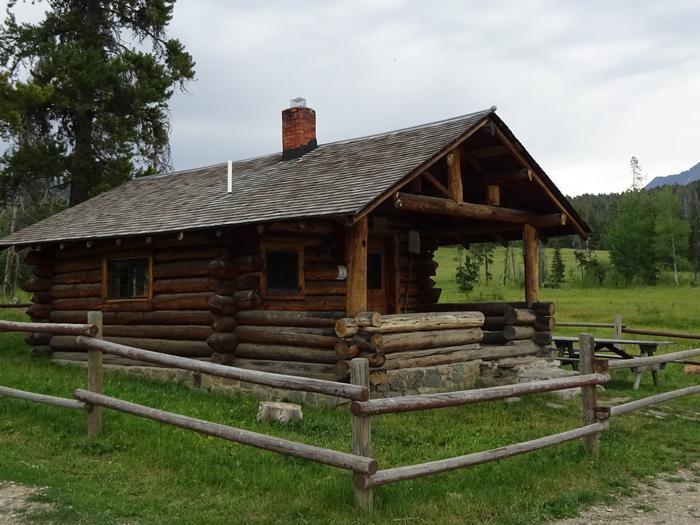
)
(366, 473)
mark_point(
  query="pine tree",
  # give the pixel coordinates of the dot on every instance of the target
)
(86, 93)
(558, 271)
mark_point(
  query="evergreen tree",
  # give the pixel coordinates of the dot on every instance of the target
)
(467, 273)
(671, 231)
(86, 93)
(558, 271)
(630, 238)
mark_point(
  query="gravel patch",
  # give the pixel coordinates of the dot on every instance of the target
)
(671, 499)
(15, 505)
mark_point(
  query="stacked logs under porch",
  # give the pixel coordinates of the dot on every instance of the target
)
(408, 340)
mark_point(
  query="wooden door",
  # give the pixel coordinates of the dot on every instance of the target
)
(381, 291)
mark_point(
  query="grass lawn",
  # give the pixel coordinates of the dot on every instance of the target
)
(144, 472)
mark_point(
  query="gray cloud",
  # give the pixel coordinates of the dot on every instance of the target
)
(584, 85)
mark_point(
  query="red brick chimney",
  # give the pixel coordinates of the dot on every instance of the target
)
(298, 129)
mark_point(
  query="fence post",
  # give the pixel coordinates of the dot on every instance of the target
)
(617, 326)
(94, 422)
(588, 393)
(361, 434)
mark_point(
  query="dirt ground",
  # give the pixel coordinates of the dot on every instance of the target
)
(671, 499)
(15, 503)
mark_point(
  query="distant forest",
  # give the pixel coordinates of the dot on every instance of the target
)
(600, 210)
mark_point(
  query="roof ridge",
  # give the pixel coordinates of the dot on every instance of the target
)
(410, 128)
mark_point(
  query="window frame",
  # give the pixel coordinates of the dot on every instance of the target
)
(279, 247)
(107, 259)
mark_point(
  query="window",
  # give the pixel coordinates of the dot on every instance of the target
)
(128, 278)
(282, 271)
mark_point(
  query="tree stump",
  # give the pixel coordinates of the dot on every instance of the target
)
(280, 412)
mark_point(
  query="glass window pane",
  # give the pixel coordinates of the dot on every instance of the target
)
(374, 271)
(282, 271)
(127, 278)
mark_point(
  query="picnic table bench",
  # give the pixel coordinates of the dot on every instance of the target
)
(565, 345)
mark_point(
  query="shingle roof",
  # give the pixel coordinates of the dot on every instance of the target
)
(338, 178)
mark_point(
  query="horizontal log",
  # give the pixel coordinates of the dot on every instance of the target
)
(222, 359)
(78, 303)
(324, 272)
(390, 405)
(78, 264)
(664, 358)
(325, 288)
(346, 327)
(35, 258)
(320, 371)
(393, 475)
(398, 356)
(42, 298)
(285, 318)
(491, 309)
(494, 337)
(82, 357)
(344, 351)
(285, 335)
(14, 305)
(50, 328)
(247, 299)
(224, 323)
(167, 346)
(542, 338)
(232, 268)
(511, 332)
(37, 339)
(39, 311)
(653, 400)
(314, 303)
(169, 317)
(247, 281)
(152, 331)
(187, 254)
(287, 382)
(283, 446)
(678, 335)
(436, 359)
(36, 285)
(64, 291)
(465, 210)
(41, 398)
(520, 316)
(363, 340)
(544, 324)
(494, 323)
(43, 271)
(222, 305)
(182, 301)
(429, 321)
(388, 343)
(91, 276)
(285, 353)
(183, 285)
(180, 269)
(223, 343)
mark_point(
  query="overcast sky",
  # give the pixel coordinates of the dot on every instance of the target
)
(583, 84)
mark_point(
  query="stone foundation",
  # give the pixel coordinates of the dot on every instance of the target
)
(428, 380)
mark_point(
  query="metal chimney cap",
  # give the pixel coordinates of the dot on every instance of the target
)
(299, 102)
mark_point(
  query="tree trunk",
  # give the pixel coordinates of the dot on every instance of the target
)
(11, 257)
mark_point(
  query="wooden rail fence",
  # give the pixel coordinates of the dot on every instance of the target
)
(366, 474)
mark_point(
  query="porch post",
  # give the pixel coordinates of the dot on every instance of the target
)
(532, 265)
(356, 257)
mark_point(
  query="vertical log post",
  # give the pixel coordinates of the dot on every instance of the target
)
(532, 265)
(454, 176)
(361, 434)
(94, 422)
(588, 394)
(356, 256)
(493, 195)
(617, 326)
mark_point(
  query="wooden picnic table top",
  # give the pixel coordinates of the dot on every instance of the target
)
(608, 341)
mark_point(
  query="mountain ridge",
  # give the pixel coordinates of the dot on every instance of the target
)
(679, 179)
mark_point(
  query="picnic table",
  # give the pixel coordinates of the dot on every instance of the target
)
(565, 345)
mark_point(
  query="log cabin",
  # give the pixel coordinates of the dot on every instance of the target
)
(297, 261)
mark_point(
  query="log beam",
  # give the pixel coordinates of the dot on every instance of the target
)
(532, 265)
(454, 176)
(467, 210)
(356, 247)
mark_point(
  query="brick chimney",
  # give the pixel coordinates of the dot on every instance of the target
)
(298, 129)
